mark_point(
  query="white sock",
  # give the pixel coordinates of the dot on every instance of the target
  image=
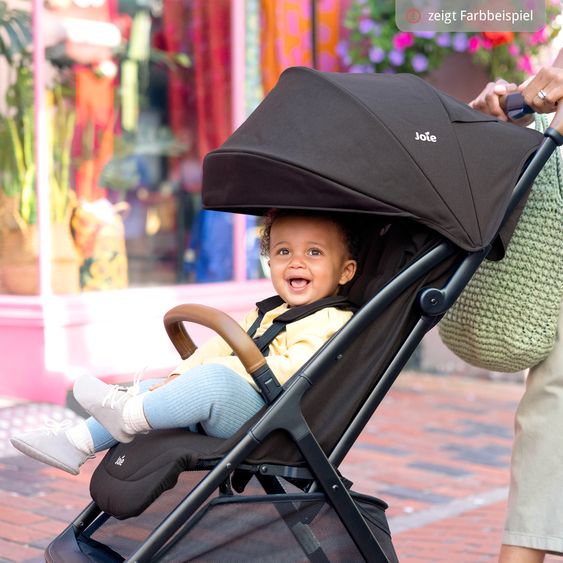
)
(134, 421)
(79, 436)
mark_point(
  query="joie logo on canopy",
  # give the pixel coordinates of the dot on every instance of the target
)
(425, 137)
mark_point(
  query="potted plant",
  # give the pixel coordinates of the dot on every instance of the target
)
(18, 229)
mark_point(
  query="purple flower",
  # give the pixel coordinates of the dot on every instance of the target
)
(419, 62)
(376, 54)
(345, 58)
(342, 48)
(424, 34)
(358, 69)
(366, 25)
(443, 40)
(460, 42)
(369, 26)
(396, 58)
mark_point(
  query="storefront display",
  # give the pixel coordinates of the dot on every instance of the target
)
(135, 93)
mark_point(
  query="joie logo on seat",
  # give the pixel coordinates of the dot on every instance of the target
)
(425, 137)
(120, 460)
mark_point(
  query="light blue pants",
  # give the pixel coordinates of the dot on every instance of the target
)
(213, 395)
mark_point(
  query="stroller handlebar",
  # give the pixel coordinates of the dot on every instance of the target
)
(224, 325)
(516, 108)
(557, 122)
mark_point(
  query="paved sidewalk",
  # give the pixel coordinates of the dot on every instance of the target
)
(437, 451)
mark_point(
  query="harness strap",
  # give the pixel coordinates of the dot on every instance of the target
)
(291, 315)
(254, 326)
(264, 341)
(264, 377)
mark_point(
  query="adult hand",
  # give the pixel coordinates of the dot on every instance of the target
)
(489, 100)
(543, 91)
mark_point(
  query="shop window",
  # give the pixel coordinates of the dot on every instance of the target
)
(137, 93)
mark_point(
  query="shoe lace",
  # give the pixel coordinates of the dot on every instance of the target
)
(117, 394)
(53, 426)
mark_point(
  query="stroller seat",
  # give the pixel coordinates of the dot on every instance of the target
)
(425, 232)
(132, 476)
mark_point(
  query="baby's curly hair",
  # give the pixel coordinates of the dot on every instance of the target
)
(348, 227)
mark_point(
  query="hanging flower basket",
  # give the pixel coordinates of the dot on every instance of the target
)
(374, 44)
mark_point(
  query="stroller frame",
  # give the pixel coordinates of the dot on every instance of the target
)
(285, 412)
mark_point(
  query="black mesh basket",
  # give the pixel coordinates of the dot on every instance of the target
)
(275, 528)
(288, 528)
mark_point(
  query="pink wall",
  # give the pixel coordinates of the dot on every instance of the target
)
(45, 343)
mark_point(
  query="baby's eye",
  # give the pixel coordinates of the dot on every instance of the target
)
(314, 252)
(282, 252)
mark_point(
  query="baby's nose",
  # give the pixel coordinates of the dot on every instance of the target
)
(297, 261)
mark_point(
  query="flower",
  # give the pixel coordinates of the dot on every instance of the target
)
(460, 42)
(396, 57)
(403, 40)
(539, 36)
(499, 37)
(376, 54)
(419, 63)
(425, 34)
(443, 40)
(374, 44)
(525, 64)
(366, 25)
(514, 50)
(473, 44)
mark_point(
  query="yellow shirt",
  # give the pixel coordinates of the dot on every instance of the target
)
(287, 352)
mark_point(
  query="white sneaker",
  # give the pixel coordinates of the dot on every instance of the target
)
(51, 446)
(105, 403)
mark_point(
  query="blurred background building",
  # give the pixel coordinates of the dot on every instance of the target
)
(107, 108)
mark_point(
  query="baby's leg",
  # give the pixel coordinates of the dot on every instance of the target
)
(97, 438)
(213, 395)
(68, 449)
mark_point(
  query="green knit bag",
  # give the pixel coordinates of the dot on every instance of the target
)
(506, 318)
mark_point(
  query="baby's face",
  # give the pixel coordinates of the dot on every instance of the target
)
(308, 259)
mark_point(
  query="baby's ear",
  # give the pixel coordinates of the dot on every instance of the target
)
(348, 271)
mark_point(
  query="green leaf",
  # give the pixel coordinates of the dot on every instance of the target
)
(23, 23)
(16, 45)
(5, 51)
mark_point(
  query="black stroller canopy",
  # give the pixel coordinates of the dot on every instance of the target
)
(373, 143)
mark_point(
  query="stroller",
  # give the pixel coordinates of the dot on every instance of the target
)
(415, 165)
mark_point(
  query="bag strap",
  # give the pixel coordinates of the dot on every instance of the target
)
(541, 125)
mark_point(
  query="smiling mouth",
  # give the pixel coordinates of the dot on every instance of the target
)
(298, 283)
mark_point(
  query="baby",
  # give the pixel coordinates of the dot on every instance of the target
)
(311, 256)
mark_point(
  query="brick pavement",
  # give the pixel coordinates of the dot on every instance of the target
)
(437, 451)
